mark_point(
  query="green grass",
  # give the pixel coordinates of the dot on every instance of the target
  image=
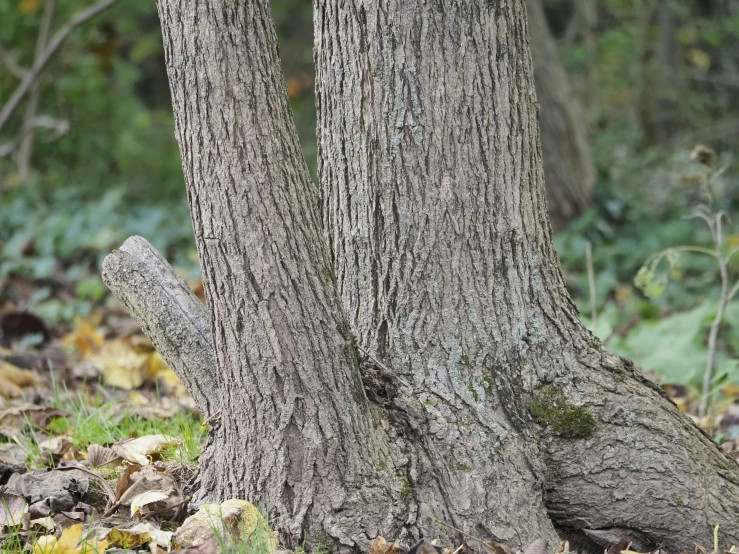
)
(94, 420)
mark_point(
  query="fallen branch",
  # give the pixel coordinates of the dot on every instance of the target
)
(173, 318)
(40, 62)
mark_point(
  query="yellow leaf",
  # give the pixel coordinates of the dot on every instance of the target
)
(120, 365)
(47, 544)
(84, 338)
(29, 6)
(14, 379)
(732, 240)
(156, 368)
(70, 543)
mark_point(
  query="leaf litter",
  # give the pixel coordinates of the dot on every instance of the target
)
(92, 464)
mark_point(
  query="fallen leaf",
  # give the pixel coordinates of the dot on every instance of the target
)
(17, 417)
(46, 544)
(145, 498)
(382, 546)
(235, 520)
(539, 546)
(12, 510)
(125, 481)
(154, 490)
(70, 542)
(47, 523)
(100, 456)
(140, 534)
(84, 338)
(14, 380)
(139, 451)
(120, 365)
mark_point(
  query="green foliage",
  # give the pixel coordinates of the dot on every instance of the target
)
(62, 237)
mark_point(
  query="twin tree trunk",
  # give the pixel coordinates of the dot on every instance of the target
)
(397, 346)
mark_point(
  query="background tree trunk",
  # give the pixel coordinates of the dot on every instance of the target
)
(568, 167)
(436, 217)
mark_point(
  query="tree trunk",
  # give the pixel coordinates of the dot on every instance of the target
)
(434, 211)
(481, 400)
(568, 167)
(295, 430)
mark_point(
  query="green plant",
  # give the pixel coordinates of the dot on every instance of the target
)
(653, 276)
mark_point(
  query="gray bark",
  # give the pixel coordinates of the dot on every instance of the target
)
(568, 166)
(435, 213)
(483, 402)
(169, 313)
(295, 430)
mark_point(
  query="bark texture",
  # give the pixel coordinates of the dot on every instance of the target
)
(482, 400)
(435, 212)
(295, 430)
(173, 318)
(568, 167)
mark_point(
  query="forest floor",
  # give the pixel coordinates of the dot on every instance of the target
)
(99, 442)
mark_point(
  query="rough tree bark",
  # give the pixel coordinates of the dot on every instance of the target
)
(568, 166)
(482, 401)
(435, 213)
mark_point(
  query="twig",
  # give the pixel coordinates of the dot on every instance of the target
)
(591, 287)
(26, 146)
(11, 64)
(40, 63)
(716, 324)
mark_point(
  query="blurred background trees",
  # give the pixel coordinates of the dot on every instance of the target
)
(627, 88)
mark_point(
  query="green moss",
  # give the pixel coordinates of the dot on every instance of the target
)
(465, 361)
(473, 392)
(488, 383)
(406, 489)
(551, 408)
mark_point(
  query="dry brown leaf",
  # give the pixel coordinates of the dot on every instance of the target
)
(13, 380)
(382, 546)
(124, 479)
(100, 456)
(140, 450)
(151, 490)
(12, 510)
(623, 544)
(12, 420)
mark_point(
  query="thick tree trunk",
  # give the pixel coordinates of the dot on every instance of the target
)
(482, 401)
(568, 166)
(435, 214)
(295, 430)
